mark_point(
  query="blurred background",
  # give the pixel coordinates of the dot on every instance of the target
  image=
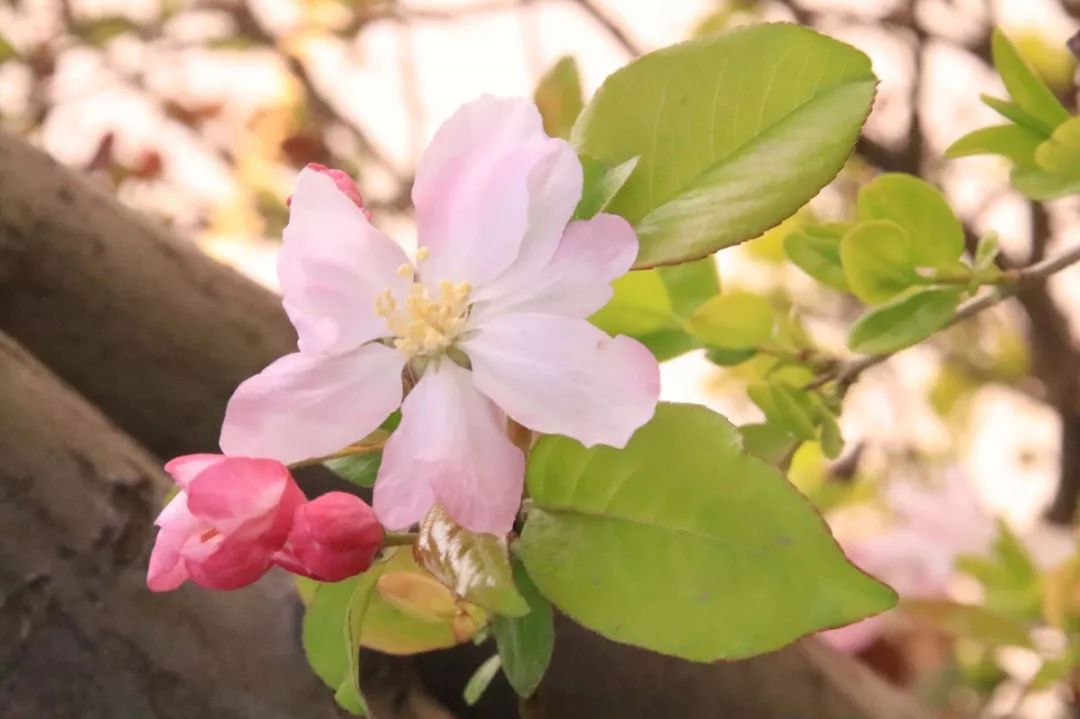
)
(962, 469)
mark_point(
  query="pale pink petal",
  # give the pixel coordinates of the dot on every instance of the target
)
(474, 185)
(167, 571)
(332, 265)
(554, 190)
(856, 637)
(559, 375)
(577, 280)
(186, 468)
(301, 407)
(242, 493)
(451, 448)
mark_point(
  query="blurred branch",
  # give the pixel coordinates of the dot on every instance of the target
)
(1018, 280)
(610, 25)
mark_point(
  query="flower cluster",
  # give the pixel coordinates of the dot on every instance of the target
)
(487, 325)
(235, 517)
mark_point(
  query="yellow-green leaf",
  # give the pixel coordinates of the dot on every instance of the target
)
(732, 321)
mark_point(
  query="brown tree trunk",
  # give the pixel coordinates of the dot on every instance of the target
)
(80, 635)
(157, 336)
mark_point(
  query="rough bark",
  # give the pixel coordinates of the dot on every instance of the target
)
(80, 635)
(157, 336)
(142, 325)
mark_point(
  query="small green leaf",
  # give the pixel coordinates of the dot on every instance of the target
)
(787, 407)
(360, 469)
(732, 321)
(904, 321)
(935, 235)
(600, 185)
(1012, 141)
(639, 305)
(735, 133)
(526, 643)
(768, 442)
(411, 612)
(877, 261)
(683, 544)
(729, 358)
(1025, 87)
(475, 567)
(100, 30)
(815, 249)
(1038, 184)
(481, 679)
(690, 284)
(558, 97)
(971, 621)
(986, 252)
(1060, 155)
(7, 50)
(1020, 116)
(831, 438)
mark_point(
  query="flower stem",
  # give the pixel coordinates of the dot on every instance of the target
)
(399, 539)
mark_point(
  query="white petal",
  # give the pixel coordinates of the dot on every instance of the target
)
(301, 407)
(564, 376)
(451, 448)
(332, 265)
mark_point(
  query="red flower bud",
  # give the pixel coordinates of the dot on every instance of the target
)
(333, 537)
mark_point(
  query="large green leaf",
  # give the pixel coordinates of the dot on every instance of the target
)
(906, 320)
(525, 643)
(475, 567)
(1012, 141)
(1025, 87)
(600, 184)
(878, 261)
(935, 235)
(734, 134)
(684, 544)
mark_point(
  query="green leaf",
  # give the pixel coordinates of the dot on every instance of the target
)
(735, 133)
(935, 235)
(1041, 185)
(690, 284)
(1012, 111)
(878, 261)
(600, 185)
(971, 621)
(331, 633)
(815, 249)
(768, 442)
(831, 438)
(411, 612)
(7, 50)
(729, 358)
(1061, 153)
(905, 321)
(986, 252)
(475, 567)
(525, 643)
(1025, 87)
(787, 407)
(640, 304)
(481, 679)
(558, 97)
(684, 544)
(1012, 141)
(360, 469)
(733, 321)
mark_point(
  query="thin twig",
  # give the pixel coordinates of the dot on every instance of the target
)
(846, 374)
(613, 28)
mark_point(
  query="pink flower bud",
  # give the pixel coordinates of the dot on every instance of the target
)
(333, 537)
(343, 182)
(220, 530)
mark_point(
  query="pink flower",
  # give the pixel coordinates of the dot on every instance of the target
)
(231, 515)
(333, 537)
(934, 526)
(492, 320)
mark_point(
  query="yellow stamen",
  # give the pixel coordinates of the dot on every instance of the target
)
(426, 325)
(421, 254)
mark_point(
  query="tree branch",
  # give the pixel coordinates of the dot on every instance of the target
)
(846, 374)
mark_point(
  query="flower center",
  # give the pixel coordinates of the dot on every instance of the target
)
(425, 324)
